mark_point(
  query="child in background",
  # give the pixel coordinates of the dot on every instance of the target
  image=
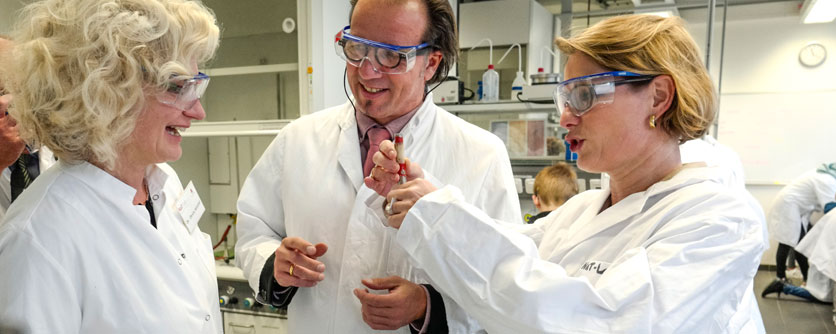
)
(553, 186)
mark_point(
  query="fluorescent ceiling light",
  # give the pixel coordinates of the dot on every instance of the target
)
(818, 11)
(663, 12)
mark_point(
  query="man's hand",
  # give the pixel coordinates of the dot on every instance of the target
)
(405, 303)
(11, 146)
(384, 175)
(404, 197)
(300, 255)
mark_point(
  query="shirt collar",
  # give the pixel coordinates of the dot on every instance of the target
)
(364, 123)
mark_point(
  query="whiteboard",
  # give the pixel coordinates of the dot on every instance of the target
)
(779, 136)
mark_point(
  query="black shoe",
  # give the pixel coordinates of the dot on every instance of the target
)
(775, 286)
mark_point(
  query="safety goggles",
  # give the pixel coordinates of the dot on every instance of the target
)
(384, 58)
(183, 94)
(580, 94)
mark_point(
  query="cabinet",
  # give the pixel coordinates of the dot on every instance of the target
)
(533, 137)
(258, 84)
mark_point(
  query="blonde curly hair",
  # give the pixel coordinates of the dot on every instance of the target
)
(80, 70)
(650, 44)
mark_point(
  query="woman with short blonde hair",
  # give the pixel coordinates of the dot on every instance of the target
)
(665, 248)
(97, 244)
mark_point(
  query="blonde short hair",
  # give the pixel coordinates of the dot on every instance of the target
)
(554, 185)
(650, 44)
(81, 69)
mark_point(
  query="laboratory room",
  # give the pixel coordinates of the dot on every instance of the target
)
(417, 166)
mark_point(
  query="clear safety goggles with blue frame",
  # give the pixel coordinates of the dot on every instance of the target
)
(384, 58)
(183, 94)
(580, 94)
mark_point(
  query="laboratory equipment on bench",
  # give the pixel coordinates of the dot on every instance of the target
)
(490, 79)
(241, 312)
(542, 84)
(519, 80)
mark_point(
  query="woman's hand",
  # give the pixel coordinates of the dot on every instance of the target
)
(384, 175)
(403, 197)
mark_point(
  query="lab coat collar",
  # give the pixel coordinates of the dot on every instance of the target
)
(420, 124)
(155, 178)
(592, 222)
(349, 147)
(97, 178)
(122, 193)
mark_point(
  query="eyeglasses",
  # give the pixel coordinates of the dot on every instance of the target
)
(387, 58)
(183, 94)
(580, 94)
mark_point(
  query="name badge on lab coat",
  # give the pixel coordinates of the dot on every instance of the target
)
(189, 207)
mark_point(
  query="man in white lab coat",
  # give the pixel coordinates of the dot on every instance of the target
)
(308, 187)
(45, 160)
(12, 147)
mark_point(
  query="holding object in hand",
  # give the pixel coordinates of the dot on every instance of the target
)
(386, 172)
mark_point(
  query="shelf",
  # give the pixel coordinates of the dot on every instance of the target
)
(260, 69)
(236, 128)
(538, 161)
(506, 106)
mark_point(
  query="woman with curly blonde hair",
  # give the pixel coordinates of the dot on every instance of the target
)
(666, 248)
(96, 244)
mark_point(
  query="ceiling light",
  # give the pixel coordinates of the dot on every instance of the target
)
(818, 11)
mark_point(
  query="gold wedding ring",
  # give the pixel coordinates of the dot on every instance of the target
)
(291, 270)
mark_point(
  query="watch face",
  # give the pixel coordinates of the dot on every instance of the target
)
(812, 55)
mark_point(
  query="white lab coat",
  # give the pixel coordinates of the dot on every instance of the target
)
(78, 257)
(309, 184)
(679, 257)
(46, 160)
(819, 245)
(709, 150)
(795, 203)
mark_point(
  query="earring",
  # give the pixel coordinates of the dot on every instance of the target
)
(652, 121)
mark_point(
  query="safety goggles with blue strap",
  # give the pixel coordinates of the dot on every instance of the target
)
(580, 94)
(384, 58)
(183, 94)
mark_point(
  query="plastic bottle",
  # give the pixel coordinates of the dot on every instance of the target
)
(569, 153)
(479, 92)
(490, 85)
(517, 85)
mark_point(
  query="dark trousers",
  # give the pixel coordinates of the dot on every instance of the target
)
(781, 259)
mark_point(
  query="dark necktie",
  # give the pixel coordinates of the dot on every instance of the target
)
(20, 178)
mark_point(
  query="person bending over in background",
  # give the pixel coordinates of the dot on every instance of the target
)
(789, 217)
(819, 246)
(96, 245)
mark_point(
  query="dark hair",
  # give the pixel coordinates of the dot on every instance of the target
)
(441, 34)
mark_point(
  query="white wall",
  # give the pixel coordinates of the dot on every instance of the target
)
(327, 18)
(761, 56)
